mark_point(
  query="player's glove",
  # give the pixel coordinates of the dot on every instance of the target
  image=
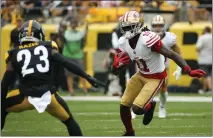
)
(194, 73)
(177, 73)
(94, 82)
(121, 59)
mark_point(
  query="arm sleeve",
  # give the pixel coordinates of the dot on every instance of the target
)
(121, 44)
(157, 46)
(72, 67)
(9, 75)
(150, 38)
(114, 40)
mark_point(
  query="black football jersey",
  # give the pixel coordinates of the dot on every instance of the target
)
(33, 63)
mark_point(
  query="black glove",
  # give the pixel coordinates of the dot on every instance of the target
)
(94, 82)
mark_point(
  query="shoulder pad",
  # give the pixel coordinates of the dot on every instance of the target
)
(150, 38)
(54, 45)
(45, 43)
(121, 40)
(173, 38)
(51, 44)
(121, 43)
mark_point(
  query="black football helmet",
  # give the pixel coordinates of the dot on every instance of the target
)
(31, 31)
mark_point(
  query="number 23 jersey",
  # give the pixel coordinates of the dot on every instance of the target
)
(33, 63)
(149, 61)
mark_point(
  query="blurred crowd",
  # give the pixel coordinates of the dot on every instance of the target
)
(50, 11)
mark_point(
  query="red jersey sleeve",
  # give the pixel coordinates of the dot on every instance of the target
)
(157, 46)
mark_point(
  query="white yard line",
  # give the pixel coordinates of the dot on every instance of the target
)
(177, 114)
(109, 98)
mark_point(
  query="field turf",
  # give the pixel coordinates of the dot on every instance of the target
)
(102, 119)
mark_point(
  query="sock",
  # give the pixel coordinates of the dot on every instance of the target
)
(73, 127)
(148, 107)
(163, 98)
(126, 118)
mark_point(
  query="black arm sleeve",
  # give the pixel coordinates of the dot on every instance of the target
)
(8, 76)
(72, 67)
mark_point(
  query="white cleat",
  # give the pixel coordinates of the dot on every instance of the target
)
(162, 112)
(133, 115)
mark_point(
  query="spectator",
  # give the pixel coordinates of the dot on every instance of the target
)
(112, 82)
(116, 34)
(14, 36)
(73, 51)
(32, 9)
(8, 7)
(47, 4)
(61, 9)
(58, 37)
(14, 42)
(204, 49)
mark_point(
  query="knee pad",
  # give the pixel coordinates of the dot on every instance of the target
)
(137, 110)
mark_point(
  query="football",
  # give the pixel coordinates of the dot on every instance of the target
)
(125, 56)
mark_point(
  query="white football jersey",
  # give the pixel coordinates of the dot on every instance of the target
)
(148, 62)
(169, 40)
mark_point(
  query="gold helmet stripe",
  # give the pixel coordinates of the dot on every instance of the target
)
(30, 27)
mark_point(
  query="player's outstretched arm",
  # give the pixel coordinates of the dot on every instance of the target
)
(181, 62)
(74, 68)
(9, 75)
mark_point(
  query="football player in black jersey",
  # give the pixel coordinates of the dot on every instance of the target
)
(33, 60)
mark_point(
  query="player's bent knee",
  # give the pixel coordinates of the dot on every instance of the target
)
(125, 102)
(137, 110)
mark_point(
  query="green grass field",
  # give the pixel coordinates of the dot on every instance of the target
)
(102, 119)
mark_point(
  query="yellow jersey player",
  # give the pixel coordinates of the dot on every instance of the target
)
(147, 50)
(33, 60)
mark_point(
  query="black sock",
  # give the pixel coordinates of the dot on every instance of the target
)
(73, 127)
(3, 118)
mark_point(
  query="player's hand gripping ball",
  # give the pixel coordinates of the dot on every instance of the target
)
(121, 60)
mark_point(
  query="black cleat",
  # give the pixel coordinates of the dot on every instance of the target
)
(149, 114)
(129, 133)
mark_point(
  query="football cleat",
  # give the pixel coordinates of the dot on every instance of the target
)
(149, 114)
(129, 133)
(162, 112)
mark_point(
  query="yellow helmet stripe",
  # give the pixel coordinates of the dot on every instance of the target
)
(30, 27)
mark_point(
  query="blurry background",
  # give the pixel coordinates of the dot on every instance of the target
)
(86, 32)
(95, 21)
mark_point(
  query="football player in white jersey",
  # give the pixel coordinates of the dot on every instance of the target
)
(169, 40)
(146, 49)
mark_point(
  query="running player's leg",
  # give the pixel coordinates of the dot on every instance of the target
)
(15, 102)
(134, 86)
(59, 109)
(163, 99)
(143, 103)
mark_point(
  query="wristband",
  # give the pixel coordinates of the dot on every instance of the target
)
(187, 69)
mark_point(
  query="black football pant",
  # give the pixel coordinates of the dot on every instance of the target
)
(16, 102)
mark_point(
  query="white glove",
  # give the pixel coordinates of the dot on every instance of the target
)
(177, 73)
